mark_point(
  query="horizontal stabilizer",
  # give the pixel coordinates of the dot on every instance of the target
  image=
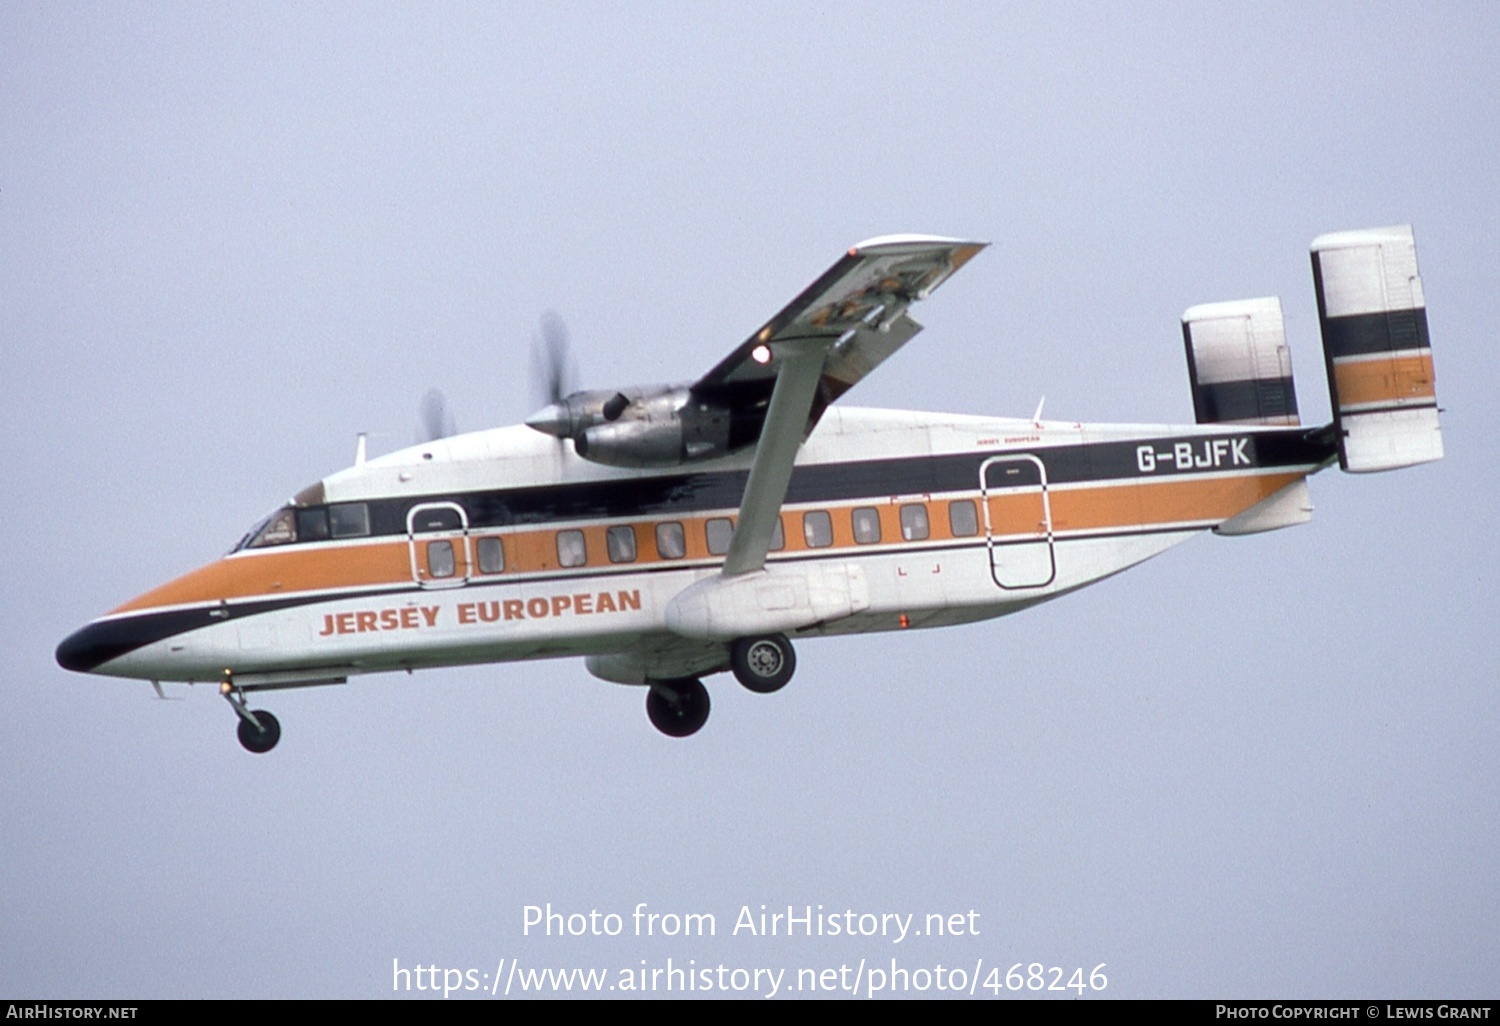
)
(1374, 321)
(1239, 364)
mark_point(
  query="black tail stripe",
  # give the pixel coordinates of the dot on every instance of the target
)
(1244, 400)
(1384, 332)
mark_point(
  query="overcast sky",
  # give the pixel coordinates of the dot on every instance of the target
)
(234, 236)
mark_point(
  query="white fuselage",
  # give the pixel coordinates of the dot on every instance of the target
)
(893, 520)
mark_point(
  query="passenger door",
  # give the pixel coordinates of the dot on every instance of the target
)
(438, 535)
(1018, 521)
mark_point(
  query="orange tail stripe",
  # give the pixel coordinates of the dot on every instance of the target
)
(1388, 380)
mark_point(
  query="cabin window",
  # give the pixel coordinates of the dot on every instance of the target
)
(349, 520)
(670, 542)
(570, 548)
(778, 537)
(620, 541)
(280, 529)
(491, 552)
(440, 559)
(914, 522)
(817, 528)
(720, 532)
(312, 524)
(866, 525)
(963, 518)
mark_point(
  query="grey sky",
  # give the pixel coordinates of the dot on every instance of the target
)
(234, 237)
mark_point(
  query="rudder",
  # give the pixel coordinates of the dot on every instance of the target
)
(1376, 347)
(1238, 363)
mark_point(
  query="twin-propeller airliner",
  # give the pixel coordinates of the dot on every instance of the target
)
(667, 533)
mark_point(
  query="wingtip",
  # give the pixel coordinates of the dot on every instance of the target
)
(909, 240)
(1395, 234)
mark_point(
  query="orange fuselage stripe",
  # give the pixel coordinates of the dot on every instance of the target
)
(267, 573)
(1162, 502)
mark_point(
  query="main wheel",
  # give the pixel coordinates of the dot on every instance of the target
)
(259, 741)
(677, 708)
(763, 664)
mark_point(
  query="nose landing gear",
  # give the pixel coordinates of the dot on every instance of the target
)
(258, 730)
(263, 738)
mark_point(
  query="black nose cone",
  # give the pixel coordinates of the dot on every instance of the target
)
(90, 647)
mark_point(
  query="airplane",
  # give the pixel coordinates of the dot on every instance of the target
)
(667, 533)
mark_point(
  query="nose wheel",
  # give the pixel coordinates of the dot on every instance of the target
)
(677, 708)
(258, 730)
(263, 738)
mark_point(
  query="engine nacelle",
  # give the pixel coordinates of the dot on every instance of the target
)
(633, 443)
(662, 426)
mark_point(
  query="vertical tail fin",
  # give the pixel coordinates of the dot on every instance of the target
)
(1239, 364)
(1375, 343)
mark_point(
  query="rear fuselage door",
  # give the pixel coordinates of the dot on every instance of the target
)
(438, 533)
(1018, 521)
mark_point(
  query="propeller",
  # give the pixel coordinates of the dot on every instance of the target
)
(554, 377)
(436, 420)
(554, 373)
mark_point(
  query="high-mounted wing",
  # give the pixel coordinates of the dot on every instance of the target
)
(858, 307)
(839, 329)
(854, 316)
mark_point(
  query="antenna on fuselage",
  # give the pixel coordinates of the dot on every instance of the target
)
(1036, 418)
(359, 450)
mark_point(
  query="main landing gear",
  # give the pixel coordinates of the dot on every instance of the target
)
(679, 707)
(763, 664)
(259, 730)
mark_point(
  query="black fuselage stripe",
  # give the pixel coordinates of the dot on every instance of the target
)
(666, 496)
(97, 643)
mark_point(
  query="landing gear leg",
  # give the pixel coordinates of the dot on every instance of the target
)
(763, 664)
(259, 730)
(679, 707)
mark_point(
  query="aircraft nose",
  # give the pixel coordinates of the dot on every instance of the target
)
(89, 647)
